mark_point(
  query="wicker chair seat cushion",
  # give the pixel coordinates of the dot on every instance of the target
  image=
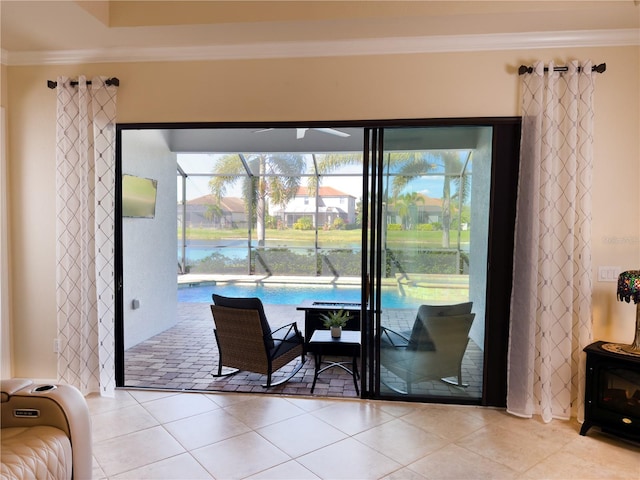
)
(280, 346)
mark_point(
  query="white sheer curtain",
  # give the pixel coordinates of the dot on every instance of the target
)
(85, 164)
(551, 297)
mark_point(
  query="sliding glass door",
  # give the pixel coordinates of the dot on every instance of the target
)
(412, 218)
(428, 240)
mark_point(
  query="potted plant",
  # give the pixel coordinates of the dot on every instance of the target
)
(335, 321)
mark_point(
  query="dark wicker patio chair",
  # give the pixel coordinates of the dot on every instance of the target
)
(246, 342)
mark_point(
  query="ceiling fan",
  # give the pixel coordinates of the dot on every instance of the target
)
(301, 132)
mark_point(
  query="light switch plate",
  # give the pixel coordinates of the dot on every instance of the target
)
(608, 274)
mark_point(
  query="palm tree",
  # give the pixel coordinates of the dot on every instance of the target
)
(453, 164)
(404, 204)
(330, 162)
(276, 177)
(407, 167)
(213, 212)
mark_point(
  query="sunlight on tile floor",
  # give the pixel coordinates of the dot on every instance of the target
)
(144, 434)
(216, 434)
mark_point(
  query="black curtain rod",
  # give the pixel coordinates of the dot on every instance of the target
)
(109, 81)
(596, 68)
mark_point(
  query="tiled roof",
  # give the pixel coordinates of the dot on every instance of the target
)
(228, 204)
(323, 192)
(430, 201)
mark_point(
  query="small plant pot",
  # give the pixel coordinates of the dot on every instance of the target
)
(336, 332)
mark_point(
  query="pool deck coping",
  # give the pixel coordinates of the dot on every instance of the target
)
(191, 279)
(433, 281)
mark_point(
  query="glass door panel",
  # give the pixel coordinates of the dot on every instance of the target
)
(407, 217)
(432, 190)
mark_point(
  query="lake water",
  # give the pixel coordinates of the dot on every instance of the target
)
(199, 249)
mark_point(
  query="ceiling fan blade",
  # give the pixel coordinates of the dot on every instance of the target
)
(301, 132)
(333, 131)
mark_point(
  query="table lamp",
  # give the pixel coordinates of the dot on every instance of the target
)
(629, 289)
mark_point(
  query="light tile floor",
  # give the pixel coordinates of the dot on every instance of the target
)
(183, 357)
(145, 434)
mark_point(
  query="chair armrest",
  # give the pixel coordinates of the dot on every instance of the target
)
(11, 386)
(401, 341)
(291, 326)
(291, 336)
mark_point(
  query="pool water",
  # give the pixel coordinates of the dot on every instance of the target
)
(290, 294)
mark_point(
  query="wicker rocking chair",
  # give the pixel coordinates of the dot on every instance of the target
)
(246, 342)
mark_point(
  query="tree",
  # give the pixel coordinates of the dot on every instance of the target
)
(405, 167)
(410, 167)
(401, 166)
(406, 206)
(330, 162)
(453, 164)
(213, 212)
(359, 212)
(269, 176)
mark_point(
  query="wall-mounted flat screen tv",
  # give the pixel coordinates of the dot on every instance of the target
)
(138, 196)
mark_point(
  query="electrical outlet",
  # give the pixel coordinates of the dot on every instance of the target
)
(56, 345)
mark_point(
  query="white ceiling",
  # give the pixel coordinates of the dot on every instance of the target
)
(284, 140)
(68, 31)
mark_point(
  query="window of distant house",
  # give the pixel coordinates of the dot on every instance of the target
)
(306, 200)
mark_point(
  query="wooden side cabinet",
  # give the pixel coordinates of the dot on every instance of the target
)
(612, 393)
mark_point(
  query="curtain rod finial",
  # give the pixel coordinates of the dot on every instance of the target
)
(114, 81)
(600, 68)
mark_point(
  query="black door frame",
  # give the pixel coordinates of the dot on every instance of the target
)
(502, 205)
(504, 179)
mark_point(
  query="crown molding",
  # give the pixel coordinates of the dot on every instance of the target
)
(333, 48)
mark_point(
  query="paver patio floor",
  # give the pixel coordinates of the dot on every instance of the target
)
(183, 358)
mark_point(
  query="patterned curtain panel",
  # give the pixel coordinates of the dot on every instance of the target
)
(85, 165)
(551, 296)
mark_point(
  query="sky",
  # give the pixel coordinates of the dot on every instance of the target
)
(197, 186)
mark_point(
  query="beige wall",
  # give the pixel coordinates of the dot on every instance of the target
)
(3, 85)
(5, 327)
(369, 87)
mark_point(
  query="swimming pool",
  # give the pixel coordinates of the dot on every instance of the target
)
(290, 294)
